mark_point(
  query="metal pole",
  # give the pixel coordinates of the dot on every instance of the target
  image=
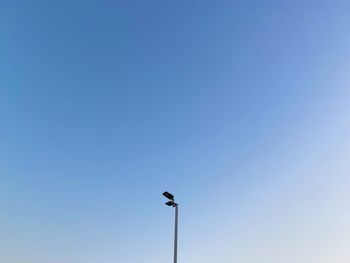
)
(176, 230)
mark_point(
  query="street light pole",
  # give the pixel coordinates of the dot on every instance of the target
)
(176, 231)
(176, 206)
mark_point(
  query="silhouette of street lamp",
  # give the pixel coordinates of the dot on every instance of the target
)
(172, 203)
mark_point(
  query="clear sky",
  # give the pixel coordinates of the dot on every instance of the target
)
(240, 108)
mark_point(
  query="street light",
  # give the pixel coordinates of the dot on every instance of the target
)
(176, 206)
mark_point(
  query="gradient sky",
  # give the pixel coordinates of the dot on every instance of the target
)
(240, 108)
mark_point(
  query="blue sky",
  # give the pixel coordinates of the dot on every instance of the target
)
(238, 107)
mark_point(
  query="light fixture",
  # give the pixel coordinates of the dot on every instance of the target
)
(176, 206)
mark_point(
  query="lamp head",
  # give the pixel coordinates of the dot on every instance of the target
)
(171, 203)
(169, 196)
